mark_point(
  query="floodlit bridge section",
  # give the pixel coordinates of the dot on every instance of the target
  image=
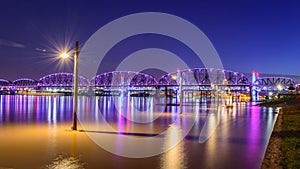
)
(61, 82)
(206, 79)
(273, 84)
(112, 83)
(4, 86)
(123, 79)
(24, 83)
(4, 83)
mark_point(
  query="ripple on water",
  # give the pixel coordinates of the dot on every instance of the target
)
(63, 161)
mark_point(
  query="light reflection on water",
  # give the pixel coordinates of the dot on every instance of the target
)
(65, 162)
(35, 109)
(243, 131)
(172, 159)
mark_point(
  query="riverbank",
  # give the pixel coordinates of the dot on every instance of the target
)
(284, 145)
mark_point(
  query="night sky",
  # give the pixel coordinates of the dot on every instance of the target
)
(248, 35)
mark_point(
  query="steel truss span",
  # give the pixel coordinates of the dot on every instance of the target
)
(123, 79)
(61, 80)
(24, 82)
(274, 83)
(204, 76)
(4, 83)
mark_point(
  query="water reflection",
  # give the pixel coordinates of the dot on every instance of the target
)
(35, 109)
(218, 132)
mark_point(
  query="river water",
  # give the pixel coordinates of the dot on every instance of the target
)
(132, 132)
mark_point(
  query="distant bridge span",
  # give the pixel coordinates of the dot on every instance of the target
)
(24, 83)
(273, 83)
(123, 79)
(61, 80)
(4, 83)
(192, 79)
(204, 76)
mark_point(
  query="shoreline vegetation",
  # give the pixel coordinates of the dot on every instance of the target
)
(283, 150)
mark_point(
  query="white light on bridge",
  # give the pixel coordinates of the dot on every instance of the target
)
(279, 87)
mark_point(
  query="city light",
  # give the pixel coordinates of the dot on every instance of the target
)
(279, 87)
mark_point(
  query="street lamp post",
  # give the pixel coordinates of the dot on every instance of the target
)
(65, 55)
(75, 80)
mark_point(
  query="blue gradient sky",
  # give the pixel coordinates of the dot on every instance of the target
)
(248, 35)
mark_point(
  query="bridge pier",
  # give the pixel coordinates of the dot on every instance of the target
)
(253, 94)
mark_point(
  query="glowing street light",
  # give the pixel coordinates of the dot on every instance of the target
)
(65, 55)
